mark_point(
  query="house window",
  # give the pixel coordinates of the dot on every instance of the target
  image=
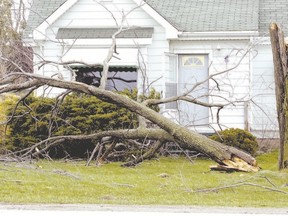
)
(119, 77)
(171, 82)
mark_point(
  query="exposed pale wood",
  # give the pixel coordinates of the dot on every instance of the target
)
(235, 164)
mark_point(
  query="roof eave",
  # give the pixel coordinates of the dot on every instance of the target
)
(217, 35)
(171, 31)
(39, 32)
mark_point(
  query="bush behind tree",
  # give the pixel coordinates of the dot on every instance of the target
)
(78, 114)
(238, 138)
(6, 102)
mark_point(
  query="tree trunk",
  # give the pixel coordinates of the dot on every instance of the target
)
(279, 50)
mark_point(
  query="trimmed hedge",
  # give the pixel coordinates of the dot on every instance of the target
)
(36, 119)
(238, 138)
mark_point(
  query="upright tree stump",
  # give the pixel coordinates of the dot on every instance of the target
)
(279, 49)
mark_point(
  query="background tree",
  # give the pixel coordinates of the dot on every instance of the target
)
(280, 58)
(14, 55)
(6, 32)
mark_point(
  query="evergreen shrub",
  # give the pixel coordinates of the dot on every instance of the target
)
(37, 118)
(6, 101)
(238, 138)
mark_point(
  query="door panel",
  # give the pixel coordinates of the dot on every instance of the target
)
(192, 70)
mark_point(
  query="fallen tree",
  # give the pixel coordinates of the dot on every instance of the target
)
(224, 155)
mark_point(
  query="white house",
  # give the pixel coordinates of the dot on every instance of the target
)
(170, 46)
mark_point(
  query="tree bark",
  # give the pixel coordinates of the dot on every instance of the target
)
(279, 51)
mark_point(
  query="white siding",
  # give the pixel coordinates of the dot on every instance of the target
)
(88, 13)
(264, 116)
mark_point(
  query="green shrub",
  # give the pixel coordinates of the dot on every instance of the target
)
(30, 122)
(238, 138)
(6, 101)
(77, 114)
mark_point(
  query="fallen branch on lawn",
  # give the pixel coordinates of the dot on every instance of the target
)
(235, 163)
(64, 173)
(239, 185)
(123, 185)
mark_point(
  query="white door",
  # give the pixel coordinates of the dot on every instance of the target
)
(192, 70)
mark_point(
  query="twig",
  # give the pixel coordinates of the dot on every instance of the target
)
(93, 154)
(2, 169)
(61, 172)
(99, 155)
(270, 182)
(16, 181)
(123, 185)
(108, 150)
(238, 185)
(147, 155)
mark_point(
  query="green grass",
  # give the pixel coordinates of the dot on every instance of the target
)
(60, 182)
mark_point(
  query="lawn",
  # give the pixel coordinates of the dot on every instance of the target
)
(165, 181)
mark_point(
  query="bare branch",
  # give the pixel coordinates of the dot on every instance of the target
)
(238, 185)
(149, 154)
(112, 48)
(66, 63)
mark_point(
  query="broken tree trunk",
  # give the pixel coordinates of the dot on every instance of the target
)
(186, 138)
(279, 50)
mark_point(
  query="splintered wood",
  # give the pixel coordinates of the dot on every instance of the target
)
(235, 164)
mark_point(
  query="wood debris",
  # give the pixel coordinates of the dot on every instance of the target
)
(235, 164)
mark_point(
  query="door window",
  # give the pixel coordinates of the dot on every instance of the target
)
(193, 61)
